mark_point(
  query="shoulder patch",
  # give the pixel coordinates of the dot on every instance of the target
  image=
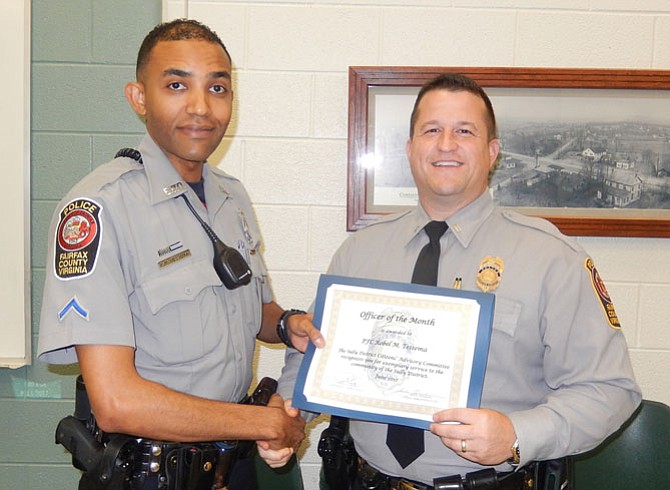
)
(603, 295)
(542, 225)
(77, 239)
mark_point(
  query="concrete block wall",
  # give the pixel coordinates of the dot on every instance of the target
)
(288, 140)
(83, 52)
(288, 143)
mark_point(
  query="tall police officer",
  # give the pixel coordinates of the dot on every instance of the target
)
(165, 349)
(558, 378)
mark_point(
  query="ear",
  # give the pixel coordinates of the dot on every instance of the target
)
(494, 150)
(135, 94)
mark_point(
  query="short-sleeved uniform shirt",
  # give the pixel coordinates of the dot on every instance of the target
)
(129, 264)
(558, 363)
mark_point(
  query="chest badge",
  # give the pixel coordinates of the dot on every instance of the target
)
(490, 273)
(245, 228)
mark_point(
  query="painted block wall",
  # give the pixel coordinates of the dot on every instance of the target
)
(289, 142)
(83, 52)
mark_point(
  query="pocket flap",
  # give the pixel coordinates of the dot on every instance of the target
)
(181, 284)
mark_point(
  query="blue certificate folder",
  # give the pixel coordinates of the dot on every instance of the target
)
(486, 303)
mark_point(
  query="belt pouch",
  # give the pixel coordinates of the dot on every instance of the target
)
(453, 482)
(482, 480)
(191, 467)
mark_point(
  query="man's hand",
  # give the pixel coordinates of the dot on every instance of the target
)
(301, 331)
(275, 459)
(486, 435)
(277, 452)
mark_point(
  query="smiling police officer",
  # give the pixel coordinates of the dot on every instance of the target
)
(558, 377)
(165, 347)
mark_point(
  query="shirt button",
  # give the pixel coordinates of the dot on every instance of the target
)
(188, 291)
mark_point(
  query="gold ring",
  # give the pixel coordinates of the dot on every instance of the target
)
(464, 447)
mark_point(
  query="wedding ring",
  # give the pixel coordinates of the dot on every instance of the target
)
(464, 447)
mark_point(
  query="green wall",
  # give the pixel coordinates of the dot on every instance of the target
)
(83, 53)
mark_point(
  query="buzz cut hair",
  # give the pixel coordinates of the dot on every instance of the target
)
(455, 82)
(176, 30)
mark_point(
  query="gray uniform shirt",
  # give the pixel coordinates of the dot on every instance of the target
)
(129, 264)
(558, 364)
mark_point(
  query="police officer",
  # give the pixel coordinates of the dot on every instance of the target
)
(132, 294)
(558, 379)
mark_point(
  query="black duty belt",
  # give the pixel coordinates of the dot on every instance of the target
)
(182, 465)
(115, 461)
(487, 479)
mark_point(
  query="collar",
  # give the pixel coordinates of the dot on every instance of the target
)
(463, 225)
(418, 219)
(164, 180)
(166, 183)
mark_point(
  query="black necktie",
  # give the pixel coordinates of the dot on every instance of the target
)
(406, 443)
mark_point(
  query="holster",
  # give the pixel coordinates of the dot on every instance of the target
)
(341, 469)
(336, 448)
(554, 474)
(95, 453)
(539, 475)
(123, 462)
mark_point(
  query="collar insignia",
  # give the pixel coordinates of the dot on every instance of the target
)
(173, 189)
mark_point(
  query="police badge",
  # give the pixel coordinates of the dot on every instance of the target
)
(490, 273)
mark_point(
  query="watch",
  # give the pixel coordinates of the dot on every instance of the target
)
(281, 325)
(515, 459)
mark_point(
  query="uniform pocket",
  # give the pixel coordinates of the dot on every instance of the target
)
(506, 315)
(182, 284)
(174, 317)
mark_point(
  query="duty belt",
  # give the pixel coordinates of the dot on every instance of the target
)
(182, 465)
(487, 479)
(115, 461)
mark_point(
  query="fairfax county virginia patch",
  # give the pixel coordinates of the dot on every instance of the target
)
(603, 295)
(77, 239)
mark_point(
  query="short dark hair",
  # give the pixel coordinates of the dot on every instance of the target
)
(455, 82)
(176, 30)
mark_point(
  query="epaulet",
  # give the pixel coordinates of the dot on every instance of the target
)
(387, 218)
(108, 173)
(541, 225)
(222, 173)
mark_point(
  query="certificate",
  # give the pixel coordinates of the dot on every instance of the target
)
(395, 352)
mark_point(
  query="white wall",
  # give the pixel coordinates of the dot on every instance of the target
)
(289, 133)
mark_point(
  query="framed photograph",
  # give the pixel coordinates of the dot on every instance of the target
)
(587, 149)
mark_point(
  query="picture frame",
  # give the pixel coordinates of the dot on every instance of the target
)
(629, 117)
